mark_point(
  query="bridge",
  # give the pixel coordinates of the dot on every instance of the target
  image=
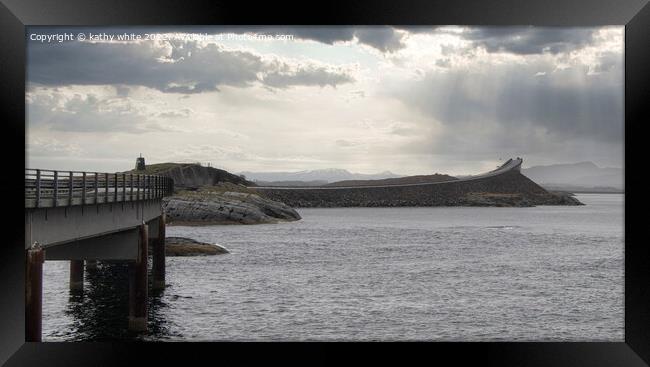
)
(509, 165)
(83, 217)
(506, 180)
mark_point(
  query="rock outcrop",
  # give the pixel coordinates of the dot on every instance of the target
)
(229, 207)
(181, 246)
(193, 176)
(207, 195)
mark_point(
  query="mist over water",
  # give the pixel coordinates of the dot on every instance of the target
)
(453, 273)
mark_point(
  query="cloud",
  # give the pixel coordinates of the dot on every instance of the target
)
(456, 96)
(346, 143)
(90, 112)
(306, 76)
(608, 61)
(328, 35)
(50, 147)
(180, 113)
(512, 98)
(484, 112)
(403, 129)
(530, 40)
(184, 67)
(382, 38)
(443, 63)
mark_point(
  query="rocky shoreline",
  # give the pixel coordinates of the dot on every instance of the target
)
(517, 200)
(222, 205)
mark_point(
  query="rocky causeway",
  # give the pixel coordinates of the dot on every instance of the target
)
(505, 186)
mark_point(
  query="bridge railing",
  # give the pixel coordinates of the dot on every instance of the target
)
(48, 188)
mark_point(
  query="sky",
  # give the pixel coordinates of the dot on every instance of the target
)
(410, 100)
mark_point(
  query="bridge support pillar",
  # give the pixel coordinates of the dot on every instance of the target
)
(138, 284)
(76, 275)
(34, 294)
(159, 256)
(91, 265)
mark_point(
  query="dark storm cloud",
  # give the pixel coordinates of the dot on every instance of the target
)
(383, 38)
(530, 40)
(507, 100)
(174, 67)
(328, 35)
(513, 39)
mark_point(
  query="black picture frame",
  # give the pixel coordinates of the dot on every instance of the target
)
(633, 14)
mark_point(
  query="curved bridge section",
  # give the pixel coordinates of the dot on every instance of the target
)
(509, 165)
(506, 182)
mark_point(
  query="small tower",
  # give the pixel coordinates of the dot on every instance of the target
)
(139, 163)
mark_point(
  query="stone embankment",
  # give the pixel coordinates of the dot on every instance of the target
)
(509, 188)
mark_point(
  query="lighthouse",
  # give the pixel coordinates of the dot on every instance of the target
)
(139, 163)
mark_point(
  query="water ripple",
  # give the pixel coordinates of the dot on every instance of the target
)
(455, 274)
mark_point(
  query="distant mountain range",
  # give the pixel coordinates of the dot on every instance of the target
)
(315, 177)
(576, 176)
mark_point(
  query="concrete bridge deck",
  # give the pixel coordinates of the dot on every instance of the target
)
(84, 217)
(47, 188)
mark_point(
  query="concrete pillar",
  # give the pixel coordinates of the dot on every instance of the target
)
(159, 256)
(76, 275)
(91, 265)
(34, 294)
(138, 284)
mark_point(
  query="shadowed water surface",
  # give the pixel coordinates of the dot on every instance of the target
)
(457, 274)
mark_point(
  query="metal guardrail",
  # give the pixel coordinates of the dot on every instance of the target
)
(48, 188)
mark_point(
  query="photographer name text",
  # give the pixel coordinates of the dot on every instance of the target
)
(129, 37)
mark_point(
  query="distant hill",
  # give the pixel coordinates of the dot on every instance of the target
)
(323, 175)
(396, 181)
(584, 175)
(192, 175)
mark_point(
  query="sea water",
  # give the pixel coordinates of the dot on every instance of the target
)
(441, 274)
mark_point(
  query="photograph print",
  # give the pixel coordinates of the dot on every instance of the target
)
(324, 183)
